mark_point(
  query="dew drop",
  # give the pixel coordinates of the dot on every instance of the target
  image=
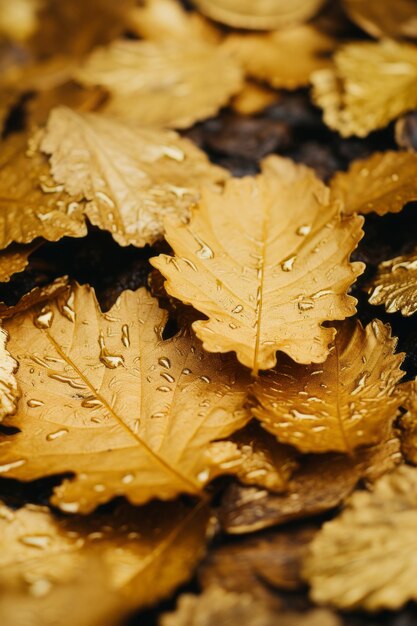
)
(168, 377)
(127, 479)
(40, 588)
(36, 541)
(44, 319)
(164, 362)
(163, 389)
(205, 379)
(204, 252)
(287, 265)
(305, 305)
(13, 465)
(203, 476)
(303, 230)
(69, 507)
(125, 336)
(186, 371)
(238, 309)
(33, 404)
(111, 361)
(57, 434)
(99, 488)
(172, 152)
(68, 308)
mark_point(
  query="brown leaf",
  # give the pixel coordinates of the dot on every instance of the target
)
(360, 96)
(163, 84)
(137, 414)
(384, 19)
(382, 183)
(265, 57)
(138, 555)
(252, 260)
(131, 177)
(365, 557)
(395, 285)
(267, 14)
(322, 483)
(347, 402)
(14, 260)
(35, 296)
(9, 392)
(31, 205)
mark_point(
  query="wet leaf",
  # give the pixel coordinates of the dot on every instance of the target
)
(345, 403)
(31, 204)
(384, 19)
(164, 83)
(395, 285)
(138, 556)
(253, 98)
(252, 260)
(131, 177)
(322, 483)
(358, 97)
(267, 14)
(14, 260)
(365, 557)
(35, 296)
(104, 397)
(9, 392)
(265, 57)
(382, 183)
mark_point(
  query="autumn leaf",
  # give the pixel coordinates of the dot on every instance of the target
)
(267, 261)
(384, 19)
(131, 177)
(18, 19)
(382, 183)
(104, 397)
(31, 204)
(267, 14)
(163, 84)
(139, 556)
(265, 57)
(358, 97)
(395, 285)
(345, 403)
(253, 98)
(35, 296)
(365, 557)
(14, 260)
(408, 421)
(8, 386)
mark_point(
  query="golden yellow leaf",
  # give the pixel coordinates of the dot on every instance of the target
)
(14, 260)
(382, 183)
(31, 205)
(347, 402)
(384, 19)
(267, 261)
(408, 421)
(265, 56)
(9, 392)
(253, 98)
(138, 555)
(104, 397)
(35, 296)
(365, 557)
(370, 85)
(165, 84)
(18, 19)
(395, 285)
(131, 177)
(262, 14)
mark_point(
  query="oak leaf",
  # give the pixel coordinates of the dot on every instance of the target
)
(131, 177)
(139, 556)
(267, 261)
(163, 84)
(358, 97)
(104, 397)
(394, 285)
(31, 204)
(382, 183)
(267, 14)
(265, 57)
(345, 403)
(365, 557)
(384, 19)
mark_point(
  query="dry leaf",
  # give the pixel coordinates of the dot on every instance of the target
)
(136, 413)
(263, 14)
(384, 19)
(252, 260)
(347, 402)
(131, 177)
(35, 296)
(322, 483)
(31, 205)
(163, 84)
(365, 557)
(395, 285)
(14, 260)
(253, 98)
(370, 85)
(9, 392)
(265, 57)
(141, 555)
(382, 183)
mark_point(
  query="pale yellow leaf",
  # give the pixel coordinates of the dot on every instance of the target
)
(395, 285)
(384, 19)
(131, 177)
(267, 261)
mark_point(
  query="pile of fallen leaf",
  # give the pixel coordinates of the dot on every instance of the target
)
(208, 231)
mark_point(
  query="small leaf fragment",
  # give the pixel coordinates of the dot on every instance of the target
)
(395, 285)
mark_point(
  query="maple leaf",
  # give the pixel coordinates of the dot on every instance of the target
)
(365, 557)
(321, 483)
(265, 57)
(31, 205)
(347, 402)
(131, 177)
(383, 19)
(139, 556)
(164, 83)
(382, 183)
(136, 413)
(395, 285)
(358, 97)
(263, 15)
(267, 261)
